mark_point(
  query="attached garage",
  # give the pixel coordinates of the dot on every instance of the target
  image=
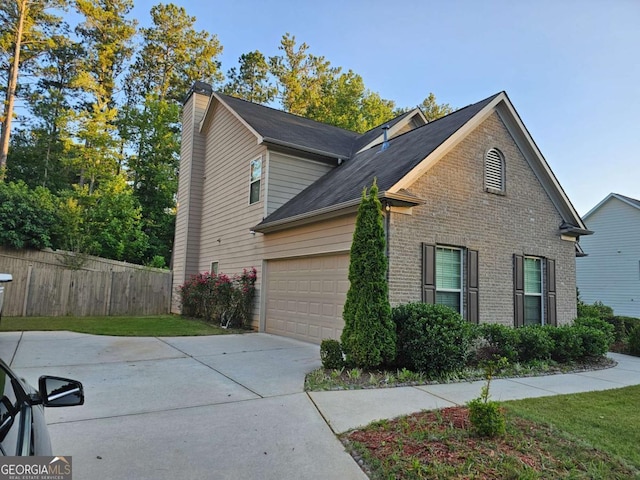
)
(305, 296)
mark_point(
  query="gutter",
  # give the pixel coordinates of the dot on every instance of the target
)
(574, 231)
(343, 208)
(308, 217)
(275, 141)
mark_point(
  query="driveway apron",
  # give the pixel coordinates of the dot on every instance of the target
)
(217, 407)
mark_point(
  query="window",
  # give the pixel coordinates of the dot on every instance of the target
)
(494, 178)
(214, 268)
(256, 175)
(534, 291)
(449, 277)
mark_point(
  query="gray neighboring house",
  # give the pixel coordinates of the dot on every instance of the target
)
(474, 216)
(610, 273)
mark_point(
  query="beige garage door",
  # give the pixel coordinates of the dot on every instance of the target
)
(305, 296)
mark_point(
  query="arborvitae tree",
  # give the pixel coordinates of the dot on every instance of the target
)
(368, 338)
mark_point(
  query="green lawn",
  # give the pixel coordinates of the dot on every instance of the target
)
(608, 420)
(579, 437)
(153, 326)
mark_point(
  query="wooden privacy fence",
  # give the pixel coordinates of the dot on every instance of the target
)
(40, 288)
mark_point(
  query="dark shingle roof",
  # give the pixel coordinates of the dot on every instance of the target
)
(276, 126)
(346, 182)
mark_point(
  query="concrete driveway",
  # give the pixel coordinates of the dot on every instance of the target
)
(217, 407)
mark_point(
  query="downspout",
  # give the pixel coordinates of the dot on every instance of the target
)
(387, 220)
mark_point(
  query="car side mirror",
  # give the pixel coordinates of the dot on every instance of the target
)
(7, 414)
(60, 392)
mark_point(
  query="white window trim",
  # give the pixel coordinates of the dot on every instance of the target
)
(462, 273)
(251, 182)
(215, 267)
(542, 293)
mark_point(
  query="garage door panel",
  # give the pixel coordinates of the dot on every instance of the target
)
(313, 289)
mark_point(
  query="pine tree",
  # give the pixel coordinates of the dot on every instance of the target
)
(368, 338)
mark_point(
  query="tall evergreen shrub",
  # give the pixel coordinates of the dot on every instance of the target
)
(368, 338)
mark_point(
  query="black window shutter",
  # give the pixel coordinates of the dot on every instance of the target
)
(428, 273)
(518, 290)
(552, 318)
(472, 286)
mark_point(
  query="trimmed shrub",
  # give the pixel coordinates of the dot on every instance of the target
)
(219, 298)
(597, 310)
(605, 327)
(595, 342)
(634, 341)
(433, 339)
(567, 344)
(487, 418)
(534, 343)
(331, 354)
(622, 326)
(502, 341)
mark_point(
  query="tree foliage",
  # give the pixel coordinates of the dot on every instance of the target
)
(110, 221)
(308, 85)
(27, 217)
(251, 81)
(432, 109)
(173, 56)
(25, 32)
(154, 132)
(368, 338)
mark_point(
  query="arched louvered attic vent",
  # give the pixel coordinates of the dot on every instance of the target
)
(494, 171)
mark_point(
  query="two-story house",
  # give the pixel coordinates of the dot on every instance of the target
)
(474, 216)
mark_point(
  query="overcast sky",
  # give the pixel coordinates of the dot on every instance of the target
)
(570, 67)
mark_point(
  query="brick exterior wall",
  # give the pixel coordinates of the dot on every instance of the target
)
(459, 212)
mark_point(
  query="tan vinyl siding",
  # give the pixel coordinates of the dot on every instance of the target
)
(329, 236)
(405, 129)
(187, 236)
(288, 176)
(227, 217)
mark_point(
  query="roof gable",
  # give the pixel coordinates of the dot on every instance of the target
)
(628, 200)
(413, 153)
(343, 185)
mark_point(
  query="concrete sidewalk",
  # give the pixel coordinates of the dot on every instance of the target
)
(346, 410)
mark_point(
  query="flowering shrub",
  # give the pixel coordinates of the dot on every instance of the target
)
(219, 298)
